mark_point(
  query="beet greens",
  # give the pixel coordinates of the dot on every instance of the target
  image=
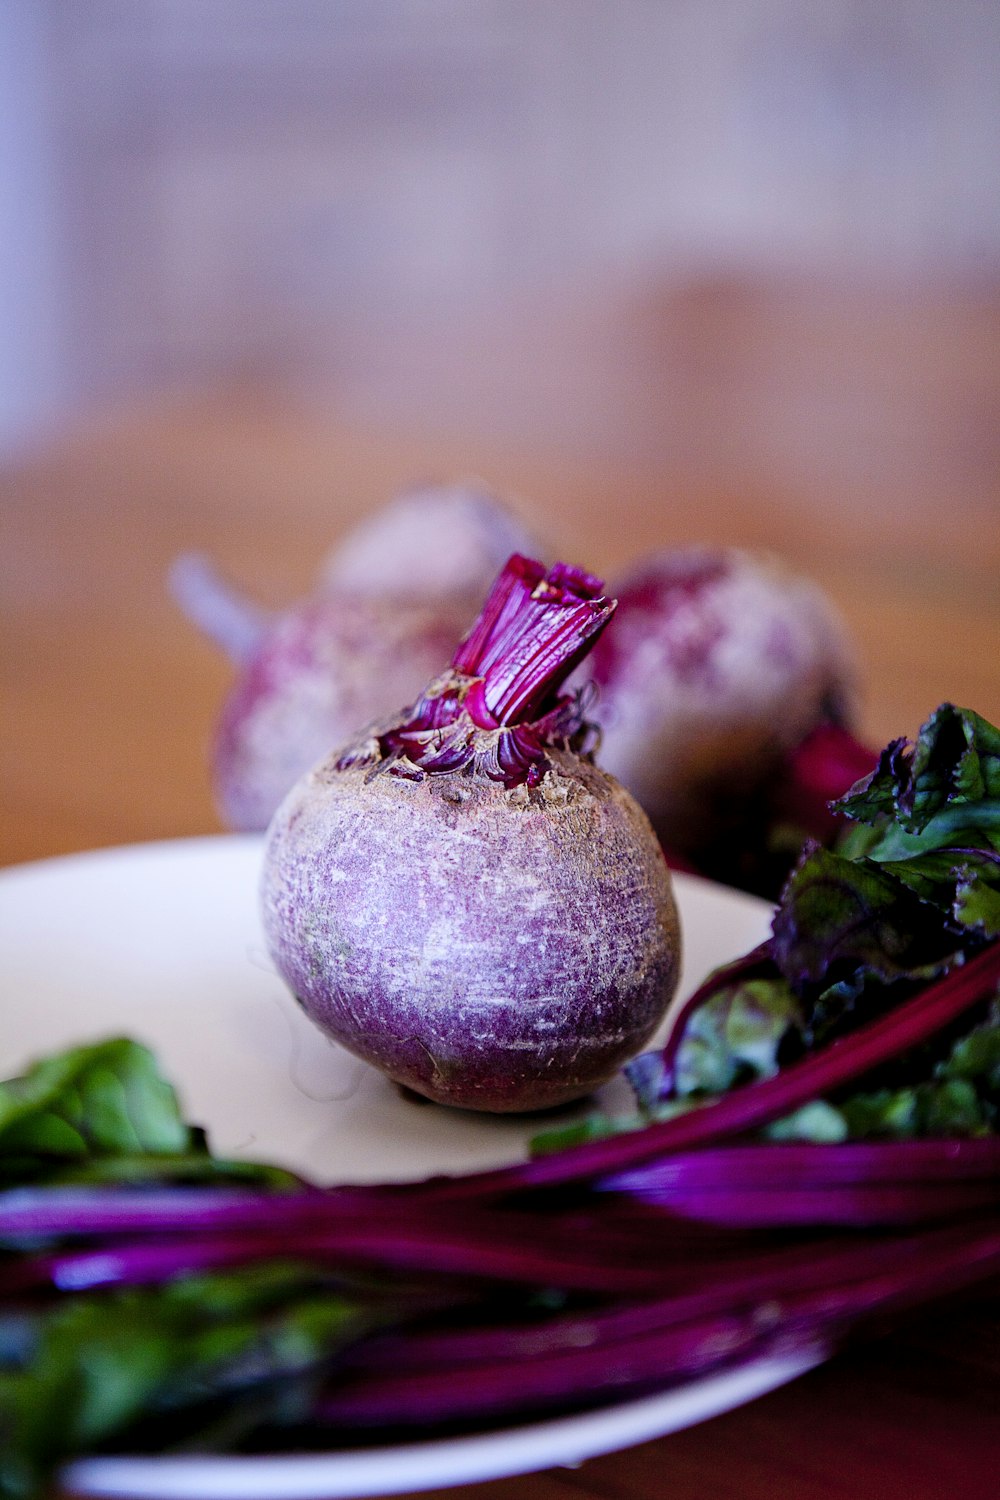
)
(900, 915)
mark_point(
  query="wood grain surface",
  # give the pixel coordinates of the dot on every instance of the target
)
(109, 699)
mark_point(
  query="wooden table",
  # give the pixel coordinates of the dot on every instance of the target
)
(109, 699)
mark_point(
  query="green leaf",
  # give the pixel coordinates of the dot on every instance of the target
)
(953, 1107)
(818, 1122)
(840, 915)
(976, 1056)
(889, 1114)
(955, 760)
(104, 1100)
(94, 1368)
(873, 799)
(597, 1127)
(736, 1036)
(945, 1107)
(187, 1168)
(962, 1098)
(977, 906)
(955, 828)
(100, 1362)
(912, 889)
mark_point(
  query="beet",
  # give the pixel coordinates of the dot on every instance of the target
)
(431, 542)
(460, 896)
(720, 664)
(323, 670)
(392, 599)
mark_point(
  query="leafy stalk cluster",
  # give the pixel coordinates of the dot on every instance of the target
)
(911, 894)
(817, 1147)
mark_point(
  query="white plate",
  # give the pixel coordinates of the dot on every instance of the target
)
(162, 942)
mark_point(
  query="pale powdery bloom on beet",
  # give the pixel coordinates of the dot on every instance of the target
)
(441, 541)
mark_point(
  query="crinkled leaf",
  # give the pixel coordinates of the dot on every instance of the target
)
(873, 798)
(944, 768)
(838, 915)
(955, 1107)
(104, 1113)
(935, 876)
(889, 1114)
(961, 1098)
(944, 1107)
(955, 760)
(977, 1056)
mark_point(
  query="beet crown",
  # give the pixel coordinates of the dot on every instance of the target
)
(498, 708)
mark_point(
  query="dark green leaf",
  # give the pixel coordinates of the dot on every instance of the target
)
(977, 1056)
(99, 1362)
(839, 915)
(945, 1107)
(873, 798)
(955, 760)
(960, 826)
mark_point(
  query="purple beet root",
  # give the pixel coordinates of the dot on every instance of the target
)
(460, 896)
(720, 663)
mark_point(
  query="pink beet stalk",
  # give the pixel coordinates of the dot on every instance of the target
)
(460, 896)
(499, 702)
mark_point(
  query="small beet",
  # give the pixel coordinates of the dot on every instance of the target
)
(323, 670)
(432, 542)
(460, 896)
(392, 599)
(721, 662)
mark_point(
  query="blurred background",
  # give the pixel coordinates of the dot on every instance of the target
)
(659, 270)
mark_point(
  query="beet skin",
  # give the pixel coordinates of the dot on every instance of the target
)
(496, 948)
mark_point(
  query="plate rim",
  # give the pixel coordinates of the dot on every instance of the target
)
(359, 1473)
